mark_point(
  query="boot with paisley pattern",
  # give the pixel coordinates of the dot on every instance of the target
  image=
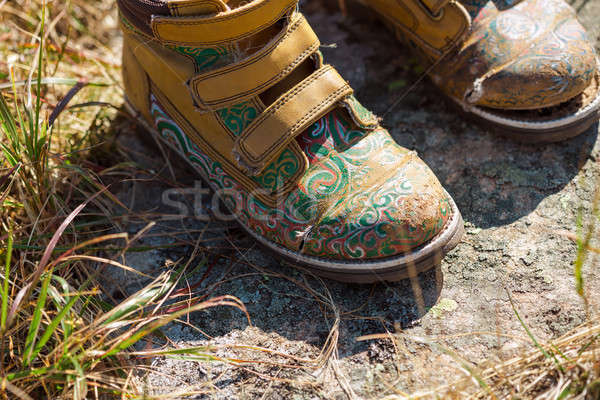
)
(240, 91)
(523, 67)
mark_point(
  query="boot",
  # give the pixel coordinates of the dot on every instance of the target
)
(241, 92)
(524, 68)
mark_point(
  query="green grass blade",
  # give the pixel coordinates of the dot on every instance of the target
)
(588, 344)
(80, 381)
(199, 358)
(9, 127)
(36, 320)
(581, 255)
(12, 158)
(8, 122)
(27, 136)
(27, 373)
(56, 321)
(4, 311)
(185, 350)
(139, 300)
(60, 301)
(566, 392)
(16, 99)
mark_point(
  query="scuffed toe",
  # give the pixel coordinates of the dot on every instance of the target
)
(530, 56)
(392, 215)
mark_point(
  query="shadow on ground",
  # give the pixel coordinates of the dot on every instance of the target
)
(296, 305)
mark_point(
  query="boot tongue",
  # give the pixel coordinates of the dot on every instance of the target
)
(475, 6)
(140, 12)
(197, 8)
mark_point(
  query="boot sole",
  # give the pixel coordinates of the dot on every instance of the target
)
(531, 131)
(390, 269)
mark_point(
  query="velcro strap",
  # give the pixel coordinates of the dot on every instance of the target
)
(435, 6)
(225, 27)
(239, 82)
(289, 116)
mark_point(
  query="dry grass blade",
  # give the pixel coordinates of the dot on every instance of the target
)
(15, 304)
(50, 81)
(131, 338)
(18, 393)
(65, 101)
(41, 267)
(547, 353)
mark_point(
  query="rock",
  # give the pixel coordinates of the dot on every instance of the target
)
(514, 198)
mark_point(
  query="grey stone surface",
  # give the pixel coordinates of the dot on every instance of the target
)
(517, 201)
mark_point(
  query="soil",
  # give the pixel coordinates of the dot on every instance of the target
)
(520, 204)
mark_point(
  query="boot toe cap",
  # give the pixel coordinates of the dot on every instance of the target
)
(400, 213)
(554, 70)
(530, 56)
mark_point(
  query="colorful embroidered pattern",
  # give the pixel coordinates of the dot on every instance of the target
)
(277, 173)
(238, 117)
(204, 57)
(319, 140)
(362, 197)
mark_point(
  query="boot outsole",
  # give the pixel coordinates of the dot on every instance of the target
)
(531, 131)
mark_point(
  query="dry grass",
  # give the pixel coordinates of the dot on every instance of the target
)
(59, 336)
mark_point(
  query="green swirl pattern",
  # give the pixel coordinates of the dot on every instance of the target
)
(205, 57)
(279, 172)
(238, 117)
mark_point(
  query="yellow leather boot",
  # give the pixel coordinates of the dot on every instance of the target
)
(241, 92)
(525, 68)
